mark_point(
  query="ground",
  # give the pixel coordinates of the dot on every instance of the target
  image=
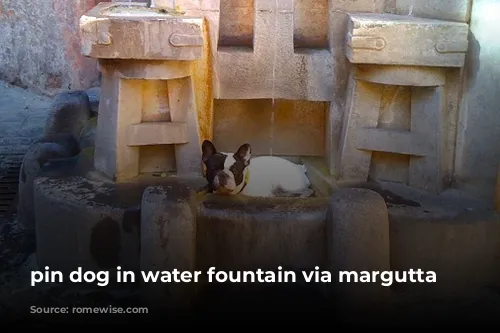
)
(23, 115)
(22, 118)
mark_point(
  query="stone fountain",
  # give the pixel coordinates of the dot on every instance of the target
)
(353, 94)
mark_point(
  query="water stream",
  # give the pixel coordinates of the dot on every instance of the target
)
(410, 11)
(273, 99)
(173, 4)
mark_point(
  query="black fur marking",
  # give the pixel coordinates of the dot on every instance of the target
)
(214, 163)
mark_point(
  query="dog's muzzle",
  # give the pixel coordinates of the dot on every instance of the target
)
(224, 181)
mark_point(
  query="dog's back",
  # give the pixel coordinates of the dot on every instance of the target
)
(275, 176)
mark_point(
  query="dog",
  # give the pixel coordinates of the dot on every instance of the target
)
(263, 176)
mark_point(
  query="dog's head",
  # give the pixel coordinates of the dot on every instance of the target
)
(226, 172)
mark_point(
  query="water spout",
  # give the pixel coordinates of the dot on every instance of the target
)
(161, 4)
(410, 12)
(273, 98)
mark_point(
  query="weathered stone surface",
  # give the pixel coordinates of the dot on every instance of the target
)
(477, 151)
(357, 233)
(452, 10)
(39, 48)
(301, 26)
(298, 127)
(157, 133)
(181, 94)
(168, 242)
(404, 40)
(407, 76)
(273, 64)
(362, 112)
(154, 92)
(139, 36)
(251, 233)
(452, 234)
(87, 138)
(94, 94)
(37, 155)
(159, 122)
(393, 127)
(86, 223)
(70, 112)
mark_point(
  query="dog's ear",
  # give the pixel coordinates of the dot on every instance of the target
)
(208, 149)
(245, 153)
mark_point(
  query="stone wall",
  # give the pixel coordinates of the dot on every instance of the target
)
(299, 55)
(40, 45)
(40, 49)
(478, 140)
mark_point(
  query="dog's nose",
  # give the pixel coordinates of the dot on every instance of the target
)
(222, 179)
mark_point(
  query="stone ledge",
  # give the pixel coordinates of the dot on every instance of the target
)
(157, 133)
(140, 36)
(390, 141)
(388, 39)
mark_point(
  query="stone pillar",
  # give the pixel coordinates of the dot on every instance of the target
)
(168, 242)
(131, 117)
(388, 51)
(358, 240)
(281, 49)
(183, 111)
(147, 98)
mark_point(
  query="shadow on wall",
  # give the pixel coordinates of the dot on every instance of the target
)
(472, 60)
(478, 148)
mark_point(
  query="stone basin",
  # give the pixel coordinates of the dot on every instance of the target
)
(387, 39)
(119, 30)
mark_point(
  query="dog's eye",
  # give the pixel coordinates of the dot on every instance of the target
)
(235, 168)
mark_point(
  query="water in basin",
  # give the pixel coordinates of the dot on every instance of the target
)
(131, 10)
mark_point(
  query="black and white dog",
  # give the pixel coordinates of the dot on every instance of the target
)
(263, 176)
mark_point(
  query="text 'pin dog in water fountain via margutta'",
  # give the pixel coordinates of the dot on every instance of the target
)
(263, 176)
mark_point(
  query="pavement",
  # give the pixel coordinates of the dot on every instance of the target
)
(22, 118)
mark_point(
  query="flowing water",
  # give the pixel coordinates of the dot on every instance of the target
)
(410, 11)
(271, 135)
(134, 12)
(132, 9)
(148, 13)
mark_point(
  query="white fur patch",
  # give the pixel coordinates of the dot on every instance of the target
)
(229, 160)
(267, 173)
(231, 185)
